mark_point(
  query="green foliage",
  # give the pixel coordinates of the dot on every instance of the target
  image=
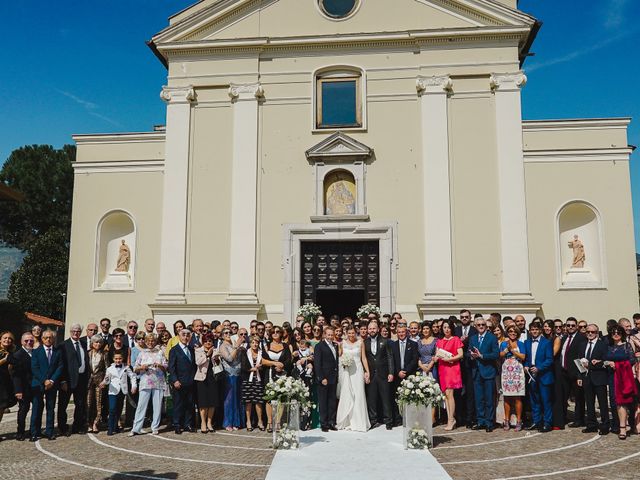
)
(38, 284)
(45, 176)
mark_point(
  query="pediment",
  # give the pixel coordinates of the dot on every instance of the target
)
(338, 146)
(228, 20)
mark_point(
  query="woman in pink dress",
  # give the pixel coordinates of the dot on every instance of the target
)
(448, 355)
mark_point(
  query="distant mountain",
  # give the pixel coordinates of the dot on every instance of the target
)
(10, 261)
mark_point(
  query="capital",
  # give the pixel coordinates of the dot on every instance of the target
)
(508, 82)
(245, 91)
(434, 84)
(178, 94)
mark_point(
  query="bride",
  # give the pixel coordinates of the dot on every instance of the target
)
(352, 407)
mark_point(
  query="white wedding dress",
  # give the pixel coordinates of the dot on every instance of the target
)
(352, 405)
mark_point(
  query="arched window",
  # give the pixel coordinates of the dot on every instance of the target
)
(340, 194)
(115, 252)
(580, 246)
(339, 99)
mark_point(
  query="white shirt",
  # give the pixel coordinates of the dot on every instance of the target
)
(523, 337)
(535, 343)
(465, 330)
(374, 345)
(586, 350)
(403, 348)
(186, 351)
(82, 366)
(333, 350)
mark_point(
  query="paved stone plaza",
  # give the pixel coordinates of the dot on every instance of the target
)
(465, 454)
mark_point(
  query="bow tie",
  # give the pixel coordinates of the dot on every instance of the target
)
(535, 341)
(118, 366)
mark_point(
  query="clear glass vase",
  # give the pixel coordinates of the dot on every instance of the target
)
(286, 425)
(417, 427)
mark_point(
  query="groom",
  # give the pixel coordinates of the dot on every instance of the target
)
(380, 360)
(325, 364)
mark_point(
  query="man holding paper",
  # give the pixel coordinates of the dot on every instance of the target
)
(538, 365)
(594, 381)
(483, 352)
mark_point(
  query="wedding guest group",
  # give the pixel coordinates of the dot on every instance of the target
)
(495, 372)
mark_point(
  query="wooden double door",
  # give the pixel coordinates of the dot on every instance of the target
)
(340, 276)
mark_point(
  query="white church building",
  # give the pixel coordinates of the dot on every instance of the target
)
(345, 152)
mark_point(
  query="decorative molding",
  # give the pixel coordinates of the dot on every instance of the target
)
(339, 218)
(436, 84)
(506, 82)
(576, 124)
(246, 91)
(338, 146)
(155, 165)
(578, 155)
(177, 95)
(132, 137)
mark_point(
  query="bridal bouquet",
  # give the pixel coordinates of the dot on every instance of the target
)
(346, 360)
(310, 311)
(288, 390)
(365, 310)
(419, 391)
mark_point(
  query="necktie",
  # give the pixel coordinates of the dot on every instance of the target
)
(187, 353)
(589, 350)
(480, 338)
(402, 347)
(78, 353)
(374, 346)
(566, 352)
(49, 355)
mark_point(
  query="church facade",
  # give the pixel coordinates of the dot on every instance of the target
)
(345, 152)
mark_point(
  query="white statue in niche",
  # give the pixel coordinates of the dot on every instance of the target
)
(578, 252)
(124, 258)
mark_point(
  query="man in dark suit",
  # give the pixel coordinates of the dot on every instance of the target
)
(464, 398)
(198, 331)
(325, 365)
(483, 352)
(90, 330)
(46, 369)
(573, 347)
(21, 367)
(594, 382)
(75, 381)
(379, 381)
(538, 365)
(182, 368)
(405, 361)
(105, 326)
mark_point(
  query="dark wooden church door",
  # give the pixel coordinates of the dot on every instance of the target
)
(340, 276)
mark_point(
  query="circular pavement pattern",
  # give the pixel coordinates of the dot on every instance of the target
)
(465, 454)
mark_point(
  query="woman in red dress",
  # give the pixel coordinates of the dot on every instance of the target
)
(448, 355)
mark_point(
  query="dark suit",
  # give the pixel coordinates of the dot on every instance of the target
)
(464, 397)
(182, 369)
(20, 362)
(381, 365)
(409, 365)
(566, 381)
(484, 371)
(540, 387)
(594, 383)
(325, 365)
(77, 384)
(43, 369)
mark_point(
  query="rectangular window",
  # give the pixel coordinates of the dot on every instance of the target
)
(339, 102)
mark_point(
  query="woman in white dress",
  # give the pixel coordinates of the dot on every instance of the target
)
(352, 406)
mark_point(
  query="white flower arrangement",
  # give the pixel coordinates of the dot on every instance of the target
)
(310, 311)
(420, 391)
(346, 360)
(286, 439)
(367, 309)
(418, 439)
(288, 390)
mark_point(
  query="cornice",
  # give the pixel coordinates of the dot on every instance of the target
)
(106, 138)
(575, 124)
(414, 39)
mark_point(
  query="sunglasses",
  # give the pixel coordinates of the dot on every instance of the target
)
(226, 333)
(592, 331)
(132, 327)
(29, 341)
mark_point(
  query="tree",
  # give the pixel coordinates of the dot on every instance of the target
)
(45, 176)
(41, 279)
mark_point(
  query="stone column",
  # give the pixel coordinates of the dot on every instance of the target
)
(511, 186)
(244, 196)
(433, 93)
(174, 204)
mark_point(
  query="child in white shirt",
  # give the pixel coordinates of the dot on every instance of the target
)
(116, 378)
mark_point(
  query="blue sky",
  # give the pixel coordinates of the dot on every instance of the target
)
(79, 66)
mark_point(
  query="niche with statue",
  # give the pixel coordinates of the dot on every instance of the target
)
(115, 252)
(580, 244)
